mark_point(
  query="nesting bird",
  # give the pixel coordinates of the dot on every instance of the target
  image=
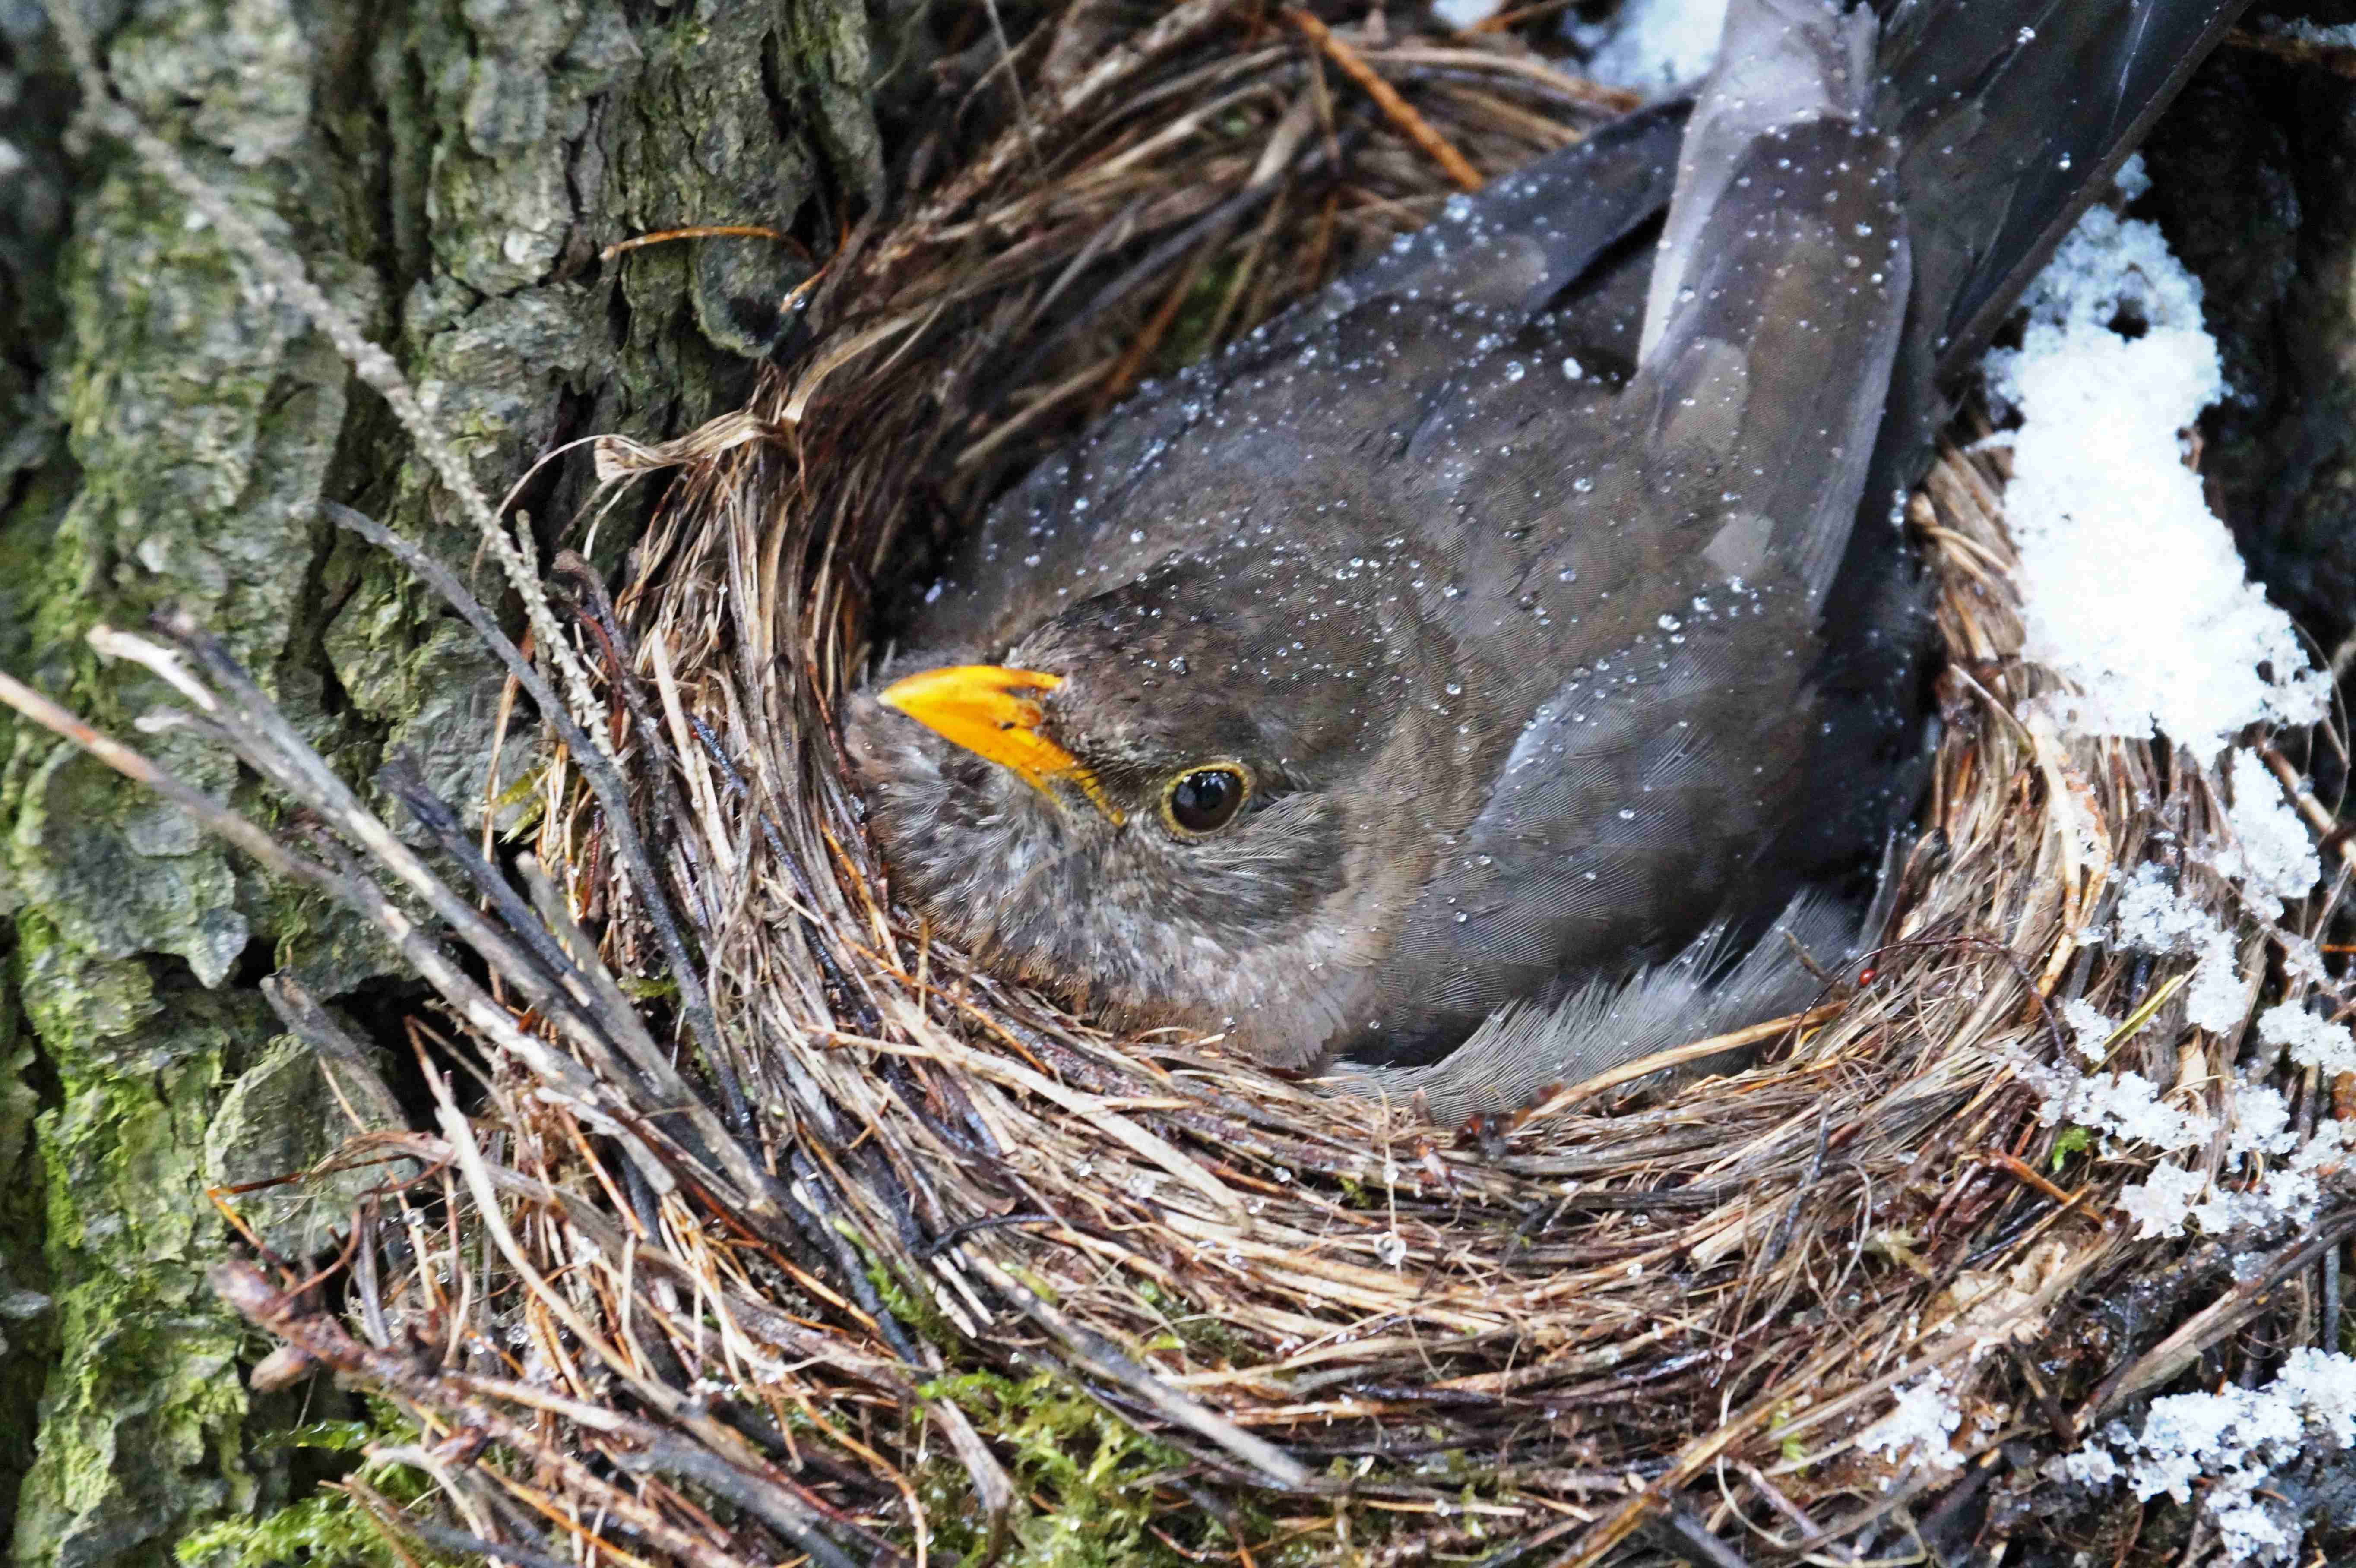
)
(1524, 620)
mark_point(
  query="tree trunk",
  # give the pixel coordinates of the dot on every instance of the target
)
(449, 170)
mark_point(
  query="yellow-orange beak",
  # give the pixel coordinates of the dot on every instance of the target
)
(994, 712)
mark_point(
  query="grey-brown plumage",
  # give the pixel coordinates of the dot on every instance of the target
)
(1521, 648)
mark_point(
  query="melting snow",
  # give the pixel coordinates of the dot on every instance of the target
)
(2133, 592)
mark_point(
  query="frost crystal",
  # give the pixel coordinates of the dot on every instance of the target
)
(2162, 1202)
(2312, 1042)
(1920, 1421)
(2227, 1445)
(2272, 855)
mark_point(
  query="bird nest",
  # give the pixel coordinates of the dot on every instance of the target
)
(784, 1231)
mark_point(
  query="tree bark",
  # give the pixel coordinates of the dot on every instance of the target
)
(450, 171)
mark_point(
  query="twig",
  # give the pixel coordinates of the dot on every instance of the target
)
(1688, 1532)
(2213, 1322)
(1398, 110)
(706, 231)
(247, 1292)
(590, 749)
(2303, 801)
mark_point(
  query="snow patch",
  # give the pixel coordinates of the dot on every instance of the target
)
(2229, 1443)
(2343, 36)
(2090, 1027)
(2272, 855)
(1921, 1425)
(2129, 1106)
(2311, 1042)
(1652, 47)
(2153, 917)
(2132, 590)
(2162, 1202)
(2133, 179)
(1462, 13)
(2261, 1121)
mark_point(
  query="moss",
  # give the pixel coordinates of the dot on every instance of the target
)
(199, 414)
(329, 1527)
(27, 1317)
(142, 1422)
(1189, 338)
(326, 1530)
(448, 169)
(832, 46)
(1090, 1481)
(1192, 1326)
(698, 142)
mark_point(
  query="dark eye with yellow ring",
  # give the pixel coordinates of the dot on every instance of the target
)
(1204, 800)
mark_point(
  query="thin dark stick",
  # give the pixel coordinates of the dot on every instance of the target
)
(1690, 1533)
(402, 781)
(613, 797)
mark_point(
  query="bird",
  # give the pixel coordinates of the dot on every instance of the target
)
(1491, 668)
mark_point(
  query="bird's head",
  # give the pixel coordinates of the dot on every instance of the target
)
(1171, 813)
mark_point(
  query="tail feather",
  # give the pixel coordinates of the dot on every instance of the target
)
(1705, 991)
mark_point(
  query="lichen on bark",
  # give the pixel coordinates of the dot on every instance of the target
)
(449, 170)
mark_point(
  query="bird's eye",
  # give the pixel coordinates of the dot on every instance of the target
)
(1204, 800)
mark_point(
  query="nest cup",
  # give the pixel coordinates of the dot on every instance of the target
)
(837, 1274)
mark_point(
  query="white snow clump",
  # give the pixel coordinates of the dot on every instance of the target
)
(2133, 591)
(2129, 1106)
(2311, 1042)
(2090, 1027)
(2343, 36)
(2272, 855)
(1921, 1423)
(1462, 13)
(2153, 917)
(2234, 1441)
(2162, 1201)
